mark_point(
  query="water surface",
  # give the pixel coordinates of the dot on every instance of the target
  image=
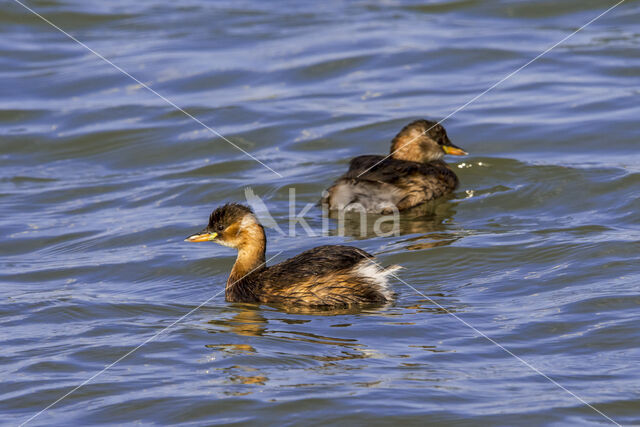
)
(101, 181)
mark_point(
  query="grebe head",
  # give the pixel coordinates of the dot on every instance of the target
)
(229, 225)
(423, 141)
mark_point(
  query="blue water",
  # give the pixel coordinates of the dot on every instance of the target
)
(101, 180)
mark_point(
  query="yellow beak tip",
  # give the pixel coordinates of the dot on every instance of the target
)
(201, 237)
(455, 151)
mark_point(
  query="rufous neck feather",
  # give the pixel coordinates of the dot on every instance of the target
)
(251, 246)
(406, 146)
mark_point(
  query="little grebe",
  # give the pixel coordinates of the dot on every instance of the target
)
(330, 276)
(413, 174)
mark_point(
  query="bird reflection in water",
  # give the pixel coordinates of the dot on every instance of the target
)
(248, 321)
(256, 335)
(429, 220)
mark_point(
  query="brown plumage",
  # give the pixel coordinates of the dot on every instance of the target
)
(326, 276)
(414, 173)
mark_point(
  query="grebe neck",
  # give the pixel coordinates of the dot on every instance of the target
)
(405, 149)
(251, 254)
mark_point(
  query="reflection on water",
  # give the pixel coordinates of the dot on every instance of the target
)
(256, 379)
(246, 320)
(430, 226)
(428, 217)
(240, 375)
(100, 180)
(233, 348)
(315, 338)
(334, 354)
(429, 306)
(433, 240)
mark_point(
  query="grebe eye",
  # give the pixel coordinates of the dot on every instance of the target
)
(220, 227)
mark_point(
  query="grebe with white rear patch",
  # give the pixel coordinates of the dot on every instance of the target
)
(326, 276)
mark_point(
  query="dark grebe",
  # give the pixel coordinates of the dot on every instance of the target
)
(415, 173)
(329, 276)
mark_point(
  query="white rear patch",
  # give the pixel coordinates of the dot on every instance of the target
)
(377, 276)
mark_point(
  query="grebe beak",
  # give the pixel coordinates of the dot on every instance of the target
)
(453, 150)
(201, 237)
